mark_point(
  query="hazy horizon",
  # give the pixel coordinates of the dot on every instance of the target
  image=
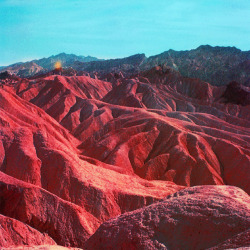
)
(110, 29)
(32, 59)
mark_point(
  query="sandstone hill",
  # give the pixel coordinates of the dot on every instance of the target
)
(149, 160)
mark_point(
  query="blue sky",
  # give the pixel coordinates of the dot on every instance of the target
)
(32, 29)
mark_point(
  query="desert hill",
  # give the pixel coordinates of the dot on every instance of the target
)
(145, 159)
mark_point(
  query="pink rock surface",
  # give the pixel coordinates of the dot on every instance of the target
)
(41, 247)
(195, 218)
(175, 129)
(239, 241)
(77, 151)
(81, 191)
(15, 233)
(67, 223)
(188, 149)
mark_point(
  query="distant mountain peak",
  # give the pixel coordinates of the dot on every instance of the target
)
(218, 48)
(217, 65)
(44, 65)
(204, 47)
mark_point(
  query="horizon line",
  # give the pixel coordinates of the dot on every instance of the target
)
(114, 58)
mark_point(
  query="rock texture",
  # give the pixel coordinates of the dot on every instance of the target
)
(237, 94)
(216, 65)
(167, 130)
(129, 64)
(81, 191)
(239, 241)
(41, 247)
(66, 223)
(76, 151)
(15, 233)
(195, 218)
(24, 69)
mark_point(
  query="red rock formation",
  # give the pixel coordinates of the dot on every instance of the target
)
(241, 240)
(189, 148)
(92, 150)
(238, 94)
(42, 247)
(34, 148)
(57, 94)
(15, 233)
(195, 218)
(66, 223)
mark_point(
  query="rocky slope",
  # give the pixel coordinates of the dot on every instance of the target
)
(66, 60)
(14, 232)
(24, 69)
(47, 184)
(129, 64)
(216, 65)
(77, 151)
(196, 218)
(44, 65)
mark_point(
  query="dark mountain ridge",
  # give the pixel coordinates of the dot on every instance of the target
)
(66, 60)
(129, 64)
(216, 65)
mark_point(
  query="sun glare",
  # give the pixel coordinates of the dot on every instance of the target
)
(58, 65)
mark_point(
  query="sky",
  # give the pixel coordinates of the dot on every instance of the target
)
(33, 29)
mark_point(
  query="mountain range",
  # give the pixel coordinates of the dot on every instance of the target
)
(216, 65)
(28, 69)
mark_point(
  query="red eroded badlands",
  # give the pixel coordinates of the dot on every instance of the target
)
(77, 151)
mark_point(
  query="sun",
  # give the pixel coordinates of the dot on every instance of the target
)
(58, 65)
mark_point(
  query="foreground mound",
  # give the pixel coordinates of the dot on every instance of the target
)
(237, 241)
(195, 218)
(14, 233)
